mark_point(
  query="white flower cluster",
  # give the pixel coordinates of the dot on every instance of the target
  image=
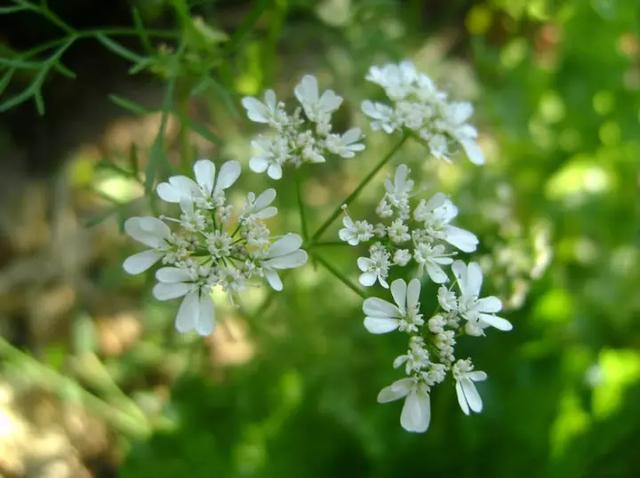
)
(298, 138)
(423, 234)
(420, 107)
(210, 245)
(431, 349)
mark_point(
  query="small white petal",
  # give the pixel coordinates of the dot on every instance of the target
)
(462, 239)
(495, 321)
(172, 275)
(275, 171)
(285, 245)
(256, 110)
(141, 261)
(273, 279)
(205, 173)
(377, 325)
(375, 307)
(473, 151)
(489, 304)
(436, 273)
(462, 400)
(164, 291)
(413, 293)
(289, 261)
(471, 394)
(416, 412)
(395, 391)
(367, 279)
(206, 315)
(399, 293)
(258, 165)
(187, 313)
(477, 376)
(229, 173)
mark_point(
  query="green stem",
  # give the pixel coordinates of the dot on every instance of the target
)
(325, 225)
(313, 245)
(303, 217)
(344, 279)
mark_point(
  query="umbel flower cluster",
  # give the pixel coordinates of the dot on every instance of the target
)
(418, 106)
(210, 244)
(423, 234)
(302, 137)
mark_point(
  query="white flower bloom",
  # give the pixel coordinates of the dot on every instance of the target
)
(269, 155)
(207, 248)
(269, 111)
(470, 307)
(285, 253)
(318, 108)
(299, 138)
(436, 214)
(465, 376)
(416, 411)
(259, 207)
(196, 311)
(151, 232)
(355, 232)
(432, 258)
(345, 145)
(207, 186)
(382, 316)
(401, 257)
(375, 267)
(420, 107)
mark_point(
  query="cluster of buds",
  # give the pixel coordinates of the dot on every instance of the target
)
(302, 137)
(419, 107)
(210, 245)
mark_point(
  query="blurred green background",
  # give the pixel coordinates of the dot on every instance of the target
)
(96, 382)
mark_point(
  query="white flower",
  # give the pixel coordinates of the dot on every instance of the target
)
(432, 258)
(269, 155)
(285, 253)
(206, 187)
(355, 232)
(196, 311)
(375, 267)
(299, 138)
(207, 248)
(268, 111)
(398, 231)
(382, 115)
(416, 411)
(317, 108)
(436, 214)
(470, 307)
(420, 107)
(259, 207)
(345, 145)
(402, 257)
(151, 232)
(465, 376)
(382, 316)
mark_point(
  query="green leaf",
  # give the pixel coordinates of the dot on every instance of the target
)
(130, 105)
(120, 50)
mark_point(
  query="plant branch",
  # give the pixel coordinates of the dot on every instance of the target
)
(325, 225)
(340, 276)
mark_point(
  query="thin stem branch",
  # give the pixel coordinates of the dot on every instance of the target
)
(344, 279)
(301, 209)
(325, 225)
